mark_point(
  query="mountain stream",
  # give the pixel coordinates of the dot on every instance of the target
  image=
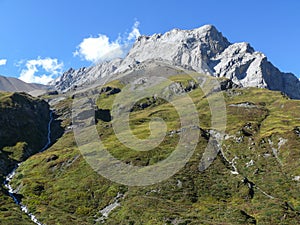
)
(12, 193)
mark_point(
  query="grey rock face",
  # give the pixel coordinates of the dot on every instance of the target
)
(190, 49)
(204, 50)
(84, 76)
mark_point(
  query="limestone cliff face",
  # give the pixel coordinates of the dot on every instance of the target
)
(190, 49)
(207, 51)
(204, 50)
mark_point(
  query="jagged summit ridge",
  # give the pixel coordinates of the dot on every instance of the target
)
(85, 75)
(204, 50)
(187, 48)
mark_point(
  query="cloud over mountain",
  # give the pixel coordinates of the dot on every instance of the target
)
(101, 48)
(41, 70)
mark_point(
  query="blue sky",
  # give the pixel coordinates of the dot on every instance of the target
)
(41, 39)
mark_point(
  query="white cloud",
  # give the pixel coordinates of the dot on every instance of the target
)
(40, 70)
(100, 48)
(3, 62)
(135, 33)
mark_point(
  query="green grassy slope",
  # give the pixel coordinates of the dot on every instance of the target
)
(23, 122)
(262, 139)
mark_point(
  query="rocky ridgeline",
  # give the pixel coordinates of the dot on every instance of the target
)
(86, 75)
(204, 50)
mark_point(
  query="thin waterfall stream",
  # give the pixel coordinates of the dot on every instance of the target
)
(11, 175)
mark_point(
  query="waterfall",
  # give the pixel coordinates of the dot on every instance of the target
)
(11, 175)
(49, 133)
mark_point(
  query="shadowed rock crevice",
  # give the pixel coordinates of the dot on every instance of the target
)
(103, 114)
(248, 218)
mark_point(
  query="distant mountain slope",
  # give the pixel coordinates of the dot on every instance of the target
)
(12, 84)
(204, 50)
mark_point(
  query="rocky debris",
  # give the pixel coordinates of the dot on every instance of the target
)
(250, 186)
(233, 92)
(178, 88)
(179, 184)
(147, 102)
(244, 105)
(231, 165)
(296, 178)
(297, 131)
(109, 90)
(249, 129)
(281, 142)
(275, 151)
(250, 163)
(109, 208)
(227, 84)
(176, 221)
(62, 165)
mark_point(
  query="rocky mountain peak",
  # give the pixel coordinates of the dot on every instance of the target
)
(204, 50)
(187, 48)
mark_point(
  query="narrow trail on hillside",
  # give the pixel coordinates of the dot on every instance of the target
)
(12, 193)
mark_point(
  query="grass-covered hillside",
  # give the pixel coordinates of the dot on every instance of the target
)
(255, 178)
(23, 122)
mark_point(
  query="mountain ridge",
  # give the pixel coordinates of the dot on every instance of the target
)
(203, 50)
(12, 84)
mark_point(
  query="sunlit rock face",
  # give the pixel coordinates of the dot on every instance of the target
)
(204, 50)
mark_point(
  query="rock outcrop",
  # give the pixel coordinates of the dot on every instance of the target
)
(24, 122)
(204, 50)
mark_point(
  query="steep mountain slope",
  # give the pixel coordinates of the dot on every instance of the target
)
(204, 50)
(253, 180)
(24, 128)
(15, 85)
(251, 177)
(23, 132)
